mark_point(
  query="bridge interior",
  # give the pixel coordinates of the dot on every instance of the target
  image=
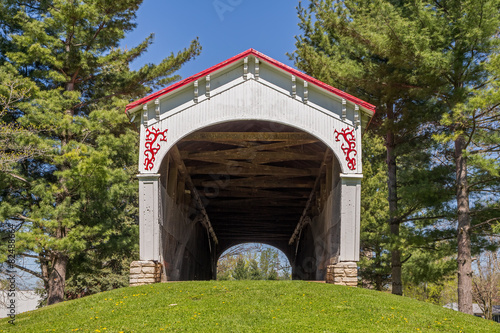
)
(245, 181)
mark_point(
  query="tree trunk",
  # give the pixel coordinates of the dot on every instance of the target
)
(57, 279)
(397, 285)
(44, 267)
(464, 259)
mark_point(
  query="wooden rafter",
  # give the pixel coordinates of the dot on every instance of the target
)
(254, 185)
(243, 153)
(222, 137)
(244, 192)
(237, 168)
(258, 182)
(174, 152)
(309, 201)
(260, 157)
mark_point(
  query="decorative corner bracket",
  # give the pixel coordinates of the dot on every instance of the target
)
(196, 91)
(151, 151)
(257, 74)
(357, 121)
(350, 139)
(207, 86)
(306, 92)
(344, 109)
(145, 113)
(245, 68)
(157, 109)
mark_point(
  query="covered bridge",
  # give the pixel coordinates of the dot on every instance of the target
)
(249, 150)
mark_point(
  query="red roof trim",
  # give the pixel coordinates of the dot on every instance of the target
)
(261, 56)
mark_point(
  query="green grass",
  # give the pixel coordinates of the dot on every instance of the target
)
(246, 306)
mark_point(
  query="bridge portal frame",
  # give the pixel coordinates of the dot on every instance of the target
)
(251, 87)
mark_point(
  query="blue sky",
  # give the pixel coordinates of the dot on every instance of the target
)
(224, 27)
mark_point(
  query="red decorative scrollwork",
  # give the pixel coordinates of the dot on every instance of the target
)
(350, 148)
(150, 152)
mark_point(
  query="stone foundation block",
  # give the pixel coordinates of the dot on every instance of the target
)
(144, 272)
(342, 273)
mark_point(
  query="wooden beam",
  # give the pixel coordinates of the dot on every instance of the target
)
(176, 156)
(245, 192)
(265, 202)
(311, 196)
(242, 153)
(238, 168)
(222, 137)
(253, 211)
(258, 182)
(260, 157)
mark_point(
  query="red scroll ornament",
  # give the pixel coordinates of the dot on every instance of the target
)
(350, 148)
(150, 152)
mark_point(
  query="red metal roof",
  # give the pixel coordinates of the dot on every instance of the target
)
(263, 57)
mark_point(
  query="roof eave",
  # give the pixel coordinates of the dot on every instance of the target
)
(136, 106)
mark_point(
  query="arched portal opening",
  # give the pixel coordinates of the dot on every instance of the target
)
(248, 181)
(253, 261)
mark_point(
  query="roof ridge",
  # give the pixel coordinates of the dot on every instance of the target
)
(263, 57)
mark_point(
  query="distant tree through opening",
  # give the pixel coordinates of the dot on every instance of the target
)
(253, 261)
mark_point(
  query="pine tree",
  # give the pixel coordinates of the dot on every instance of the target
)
(375, 263)
(254, 271)
(408, 56)
(268, 262)
(374, 51)
(469, 31)
(79, 201)
(241, 270)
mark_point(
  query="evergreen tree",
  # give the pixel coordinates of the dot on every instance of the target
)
(14, 139)
(268, 261)
(241, 270)
(273, 275)
(375, 263)
(78, 202)
(254, 271)
(373, 50)
(469, 95)
(418, 60)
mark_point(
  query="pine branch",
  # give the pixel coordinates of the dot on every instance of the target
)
(485, 223)
(31, 256)
(423, 218)
(405, 260)
(24, 269)
(18, 177)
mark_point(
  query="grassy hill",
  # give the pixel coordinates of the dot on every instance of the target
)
(245, 306)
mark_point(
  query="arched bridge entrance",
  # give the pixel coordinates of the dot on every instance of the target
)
(249, 150)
